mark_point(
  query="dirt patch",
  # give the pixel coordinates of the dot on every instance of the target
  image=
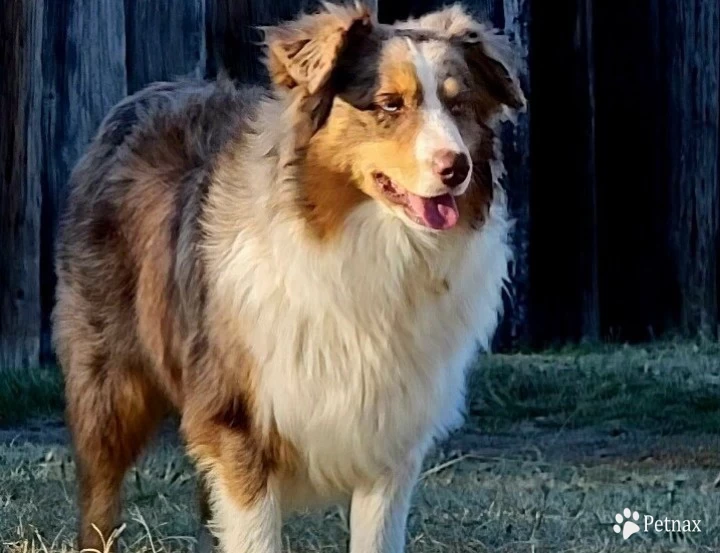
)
(526, 441)
(590, 446)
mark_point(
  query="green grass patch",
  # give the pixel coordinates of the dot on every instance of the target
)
(29, 393)
(670, 388)
(492, 488)
(667, 388)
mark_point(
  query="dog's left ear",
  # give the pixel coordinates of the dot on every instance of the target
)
(304, 52)
(491, 58)
(492, 67)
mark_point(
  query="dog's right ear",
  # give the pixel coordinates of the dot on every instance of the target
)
(304, 52)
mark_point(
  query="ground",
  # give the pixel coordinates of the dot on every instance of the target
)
(554, 447)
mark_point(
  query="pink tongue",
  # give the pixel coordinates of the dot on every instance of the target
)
(440, 212)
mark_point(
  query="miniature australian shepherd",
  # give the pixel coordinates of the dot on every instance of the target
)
(301, 272)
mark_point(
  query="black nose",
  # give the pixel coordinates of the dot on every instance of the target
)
(451, 167)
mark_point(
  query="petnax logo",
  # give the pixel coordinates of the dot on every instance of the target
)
(628, 523)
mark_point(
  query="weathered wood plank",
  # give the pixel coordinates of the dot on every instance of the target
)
(83, 58)
(514, 18)
(233, 39)
(563, 279)
(486, 10)
(690, 39)
(624, 207)
(20, 195)
(165, 39)
(636, 290)
(585, 135)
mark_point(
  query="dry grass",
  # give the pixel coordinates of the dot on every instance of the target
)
(573, 438)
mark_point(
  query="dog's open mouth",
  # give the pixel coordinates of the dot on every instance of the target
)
(438, 212)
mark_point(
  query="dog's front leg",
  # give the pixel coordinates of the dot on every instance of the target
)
(378, 513)
(242, 525)
(243, 495)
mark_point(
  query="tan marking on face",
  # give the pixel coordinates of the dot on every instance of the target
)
(327, 193)
(337, 174)
(385, 145)
(450, 87)
(398, 78)
(387, 142)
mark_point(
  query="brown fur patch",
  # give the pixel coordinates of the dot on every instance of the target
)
(223, 437)
(225, 447)
(328, 195)
(112, 414)
(475, 203)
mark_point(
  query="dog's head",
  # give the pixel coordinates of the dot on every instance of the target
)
(405, 110)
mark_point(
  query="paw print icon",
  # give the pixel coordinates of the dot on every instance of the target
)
(627, 523)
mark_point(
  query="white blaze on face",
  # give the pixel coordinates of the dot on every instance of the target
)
(438, 131)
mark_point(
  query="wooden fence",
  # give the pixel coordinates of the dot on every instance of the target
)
(613, 172)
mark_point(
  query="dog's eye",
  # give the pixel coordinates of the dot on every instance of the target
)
(460, 103)
(459, 107)
(392, 104)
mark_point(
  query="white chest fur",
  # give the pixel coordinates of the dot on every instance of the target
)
(362, 346)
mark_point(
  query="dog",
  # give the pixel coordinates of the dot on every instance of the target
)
(302, 272)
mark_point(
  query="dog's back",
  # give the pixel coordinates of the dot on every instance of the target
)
(127, 268)
(134, 203)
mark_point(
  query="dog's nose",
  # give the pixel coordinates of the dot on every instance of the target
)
(451, 167)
